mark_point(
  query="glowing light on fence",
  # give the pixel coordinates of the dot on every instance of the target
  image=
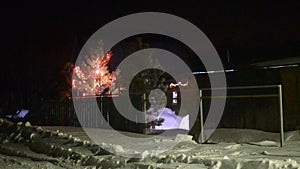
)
(173, 85)
(215, 71)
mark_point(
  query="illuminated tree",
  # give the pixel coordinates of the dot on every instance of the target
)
(92, 76)
(66, 86)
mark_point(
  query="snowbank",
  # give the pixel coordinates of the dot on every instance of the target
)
(26, 146)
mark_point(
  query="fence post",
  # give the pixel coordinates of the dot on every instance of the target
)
(201, 116)
(281, 116)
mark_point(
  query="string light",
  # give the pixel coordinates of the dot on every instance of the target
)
(173, 85)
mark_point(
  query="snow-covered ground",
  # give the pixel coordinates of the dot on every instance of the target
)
(25, 146)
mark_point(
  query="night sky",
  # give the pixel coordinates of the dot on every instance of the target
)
(39, 38)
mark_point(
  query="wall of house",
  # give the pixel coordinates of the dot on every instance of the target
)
(259, 112)
(291, 96)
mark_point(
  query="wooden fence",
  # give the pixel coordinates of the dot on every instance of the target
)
(62, 113)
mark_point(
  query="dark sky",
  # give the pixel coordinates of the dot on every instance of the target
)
(38, 38)
(45, 31)
(48, 29)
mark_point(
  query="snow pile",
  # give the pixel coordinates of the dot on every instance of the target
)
(25, 141)
(26, 146)
(172, 121)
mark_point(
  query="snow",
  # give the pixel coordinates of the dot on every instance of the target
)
(26, 146)
(171, 120)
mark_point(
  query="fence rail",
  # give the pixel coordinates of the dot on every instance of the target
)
(62, 112)
(277, 95)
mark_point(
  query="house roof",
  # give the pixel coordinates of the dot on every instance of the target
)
(285, 62)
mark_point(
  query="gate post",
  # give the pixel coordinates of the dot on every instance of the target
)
(281, 116)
